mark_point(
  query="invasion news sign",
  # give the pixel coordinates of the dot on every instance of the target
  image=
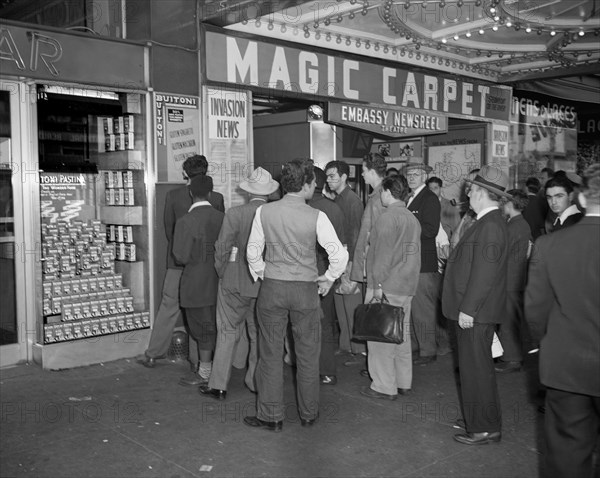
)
(268, 66)
(394, 123)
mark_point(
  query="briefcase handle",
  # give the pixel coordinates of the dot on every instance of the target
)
(384, 299)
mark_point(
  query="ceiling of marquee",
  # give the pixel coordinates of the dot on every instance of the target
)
(504, 41)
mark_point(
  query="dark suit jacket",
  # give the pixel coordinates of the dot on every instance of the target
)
(562, 306)
(235, 232)
(336, 216)
(519, 235)
(426, 208)
(475, 279)
(535, 214)
(194, 248)
(177, 204)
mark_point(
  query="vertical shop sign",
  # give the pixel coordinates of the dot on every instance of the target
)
(228, 115)
(500, 146)
(177, 133)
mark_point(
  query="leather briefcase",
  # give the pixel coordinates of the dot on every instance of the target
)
(379, 322)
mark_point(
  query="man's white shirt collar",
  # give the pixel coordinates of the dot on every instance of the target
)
(198, 204)
(485, 211)
(571, 210)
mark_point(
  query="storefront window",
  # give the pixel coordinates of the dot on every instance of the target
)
(8, 313)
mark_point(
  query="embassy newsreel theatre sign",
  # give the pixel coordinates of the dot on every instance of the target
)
(393, 123)
(272, 68)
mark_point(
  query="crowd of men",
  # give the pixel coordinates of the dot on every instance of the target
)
(289, 273)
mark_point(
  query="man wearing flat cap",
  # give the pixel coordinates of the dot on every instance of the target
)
(425, 205)
(474, 296)
(236, 299)
(193, 248)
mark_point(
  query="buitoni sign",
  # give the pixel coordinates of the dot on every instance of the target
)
(271, 66)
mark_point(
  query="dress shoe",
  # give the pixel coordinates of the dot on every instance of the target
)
(482, 438)
(355, 359)
(404, 391)
(328, 379)
(507, 367)
(460, 423)
(308, 422)
(258, 423)
(369, 392)
(192, 380)
(364, 373)
(213, 392)
(150, 362)
(425, 360)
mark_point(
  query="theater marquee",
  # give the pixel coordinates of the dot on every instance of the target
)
(272, 68)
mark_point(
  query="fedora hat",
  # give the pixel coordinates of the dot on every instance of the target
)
(414, 165)
(260, 182)
(493, 179)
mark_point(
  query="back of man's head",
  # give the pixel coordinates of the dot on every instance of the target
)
(195, 166)
(376, 162)
(591, 185)
(519, 199)
(533, 185)
(398, 186)
(296, 174)
(201, 186)
(320, 178)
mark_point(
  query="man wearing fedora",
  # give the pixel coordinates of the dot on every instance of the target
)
(177, 204)
(474, 296)
(425, 205)
(236, 297)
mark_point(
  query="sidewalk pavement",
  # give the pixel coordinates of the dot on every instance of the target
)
(120, 419)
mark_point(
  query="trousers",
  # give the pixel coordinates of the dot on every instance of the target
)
(511, 330)
(572, 424)
(167, 315)
(345, 304)
(425, 314)
(390, 365)
(478, 390)
(277, 301)
(233, 311)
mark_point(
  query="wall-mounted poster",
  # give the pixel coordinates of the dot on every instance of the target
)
(66, 197)
(177, 133)
(228, 114)
(452, 163)
(402, 151)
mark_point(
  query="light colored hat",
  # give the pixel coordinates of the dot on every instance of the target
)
(414, 165)
(574, 178)
(493, 179)
(260, 182)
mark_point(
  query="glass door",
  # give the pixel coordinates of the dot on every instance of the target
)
(12, 316)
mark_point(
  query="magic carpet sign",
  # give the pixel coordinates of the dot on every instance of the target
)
(269, 67)
(394, 123)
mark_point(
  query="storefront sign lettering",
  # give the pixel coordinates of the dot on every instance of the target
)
(43, 47)
(52, 55)
(268, 67)
(394, 123)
